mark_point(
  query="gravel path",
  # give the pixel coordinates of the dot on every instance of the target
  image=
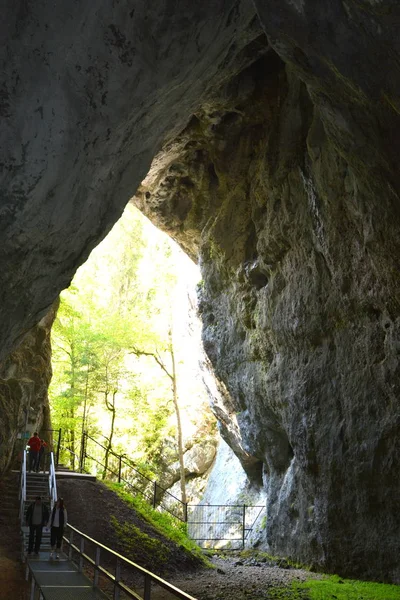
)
(236, 579)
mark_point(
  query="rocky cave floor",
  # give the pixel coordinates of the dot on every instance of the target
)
(235, 578)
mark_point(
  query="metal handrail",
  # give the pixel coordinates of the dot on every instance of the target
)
(72, 453)
(156, 486)
(52, 482)
(150, 498)
(22, 490)
(149, 577)
(128, 462)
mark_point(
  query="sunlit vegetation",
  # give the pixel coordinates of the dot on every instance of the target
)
(336, 588)
(126, 307)
(165, 523)
(346, 589)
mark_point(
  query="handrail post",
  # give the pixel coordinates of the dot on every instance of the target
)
(81, 453)
(71, 541)
(185, 512)
(117, 579)
(96, 567)
(81, 551)
(32, 589)
(119, 469)
(85, 440)
(244, 525)
(155, 495)
(58, 448)
(147, 588)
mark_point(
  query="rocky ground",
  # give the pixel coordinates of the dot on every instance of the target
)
(236, 579)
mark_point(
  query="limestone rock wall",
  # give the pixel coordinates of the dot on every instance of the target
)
(300, 305)
(89, 92)
(24, 380)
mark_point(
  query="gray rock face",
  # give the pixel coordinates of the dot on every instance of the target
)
(89, 92)
(24, 380)
(300, 304)
(285, 180)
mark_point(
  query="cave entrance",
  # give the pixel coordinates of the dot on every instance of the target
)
(126, 336)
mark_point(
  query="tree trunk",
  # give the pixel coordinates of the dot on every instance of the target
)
(178, 422)
(111, 408)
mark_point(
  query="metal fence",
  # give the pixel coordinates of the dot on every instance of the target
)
(216, 526)
(211, 526)
(121, 469)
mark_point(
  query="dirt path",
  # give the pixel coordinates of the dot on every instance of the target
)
(12, 583)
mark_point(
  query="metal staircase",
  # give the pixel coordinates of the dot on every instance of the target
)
(64, 579)
(37, 484)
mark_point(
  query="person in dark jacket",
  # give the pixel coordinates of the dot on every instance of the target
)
(37, 517)
(58, 521)
(43, 445)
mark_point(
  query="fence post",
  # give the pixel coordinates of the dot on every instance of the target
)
(96, 569)
(82, 550)
(58, 448)
(244, 525)
(119, 469)
(155, 495)
(117, 578)
(185, 512)
(147, 588)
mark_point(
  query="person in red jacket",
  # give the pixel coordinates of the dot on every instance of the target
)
(34, 447)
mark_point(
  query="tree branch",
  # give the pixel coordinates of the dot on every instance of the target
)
(156, 357)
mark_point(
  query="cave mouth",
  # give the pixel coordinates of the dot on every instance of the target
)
(126, 328)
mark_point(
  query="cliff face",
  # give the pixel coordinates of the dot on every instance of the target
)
(89, 92)
(24, 380)
(280, 169)
(300, 304)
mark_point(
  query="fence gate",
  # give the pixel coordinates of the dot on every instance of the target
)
(222, 526)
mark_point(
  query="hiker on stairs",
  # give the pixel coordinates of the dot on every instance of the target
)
(37, 517)
(57, 523)
(34, 447)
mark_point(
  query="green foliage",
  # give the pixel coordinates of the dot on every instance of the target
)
(346, 589)
(136, 542)
(335, 588)
(165, 523)
(117, 301)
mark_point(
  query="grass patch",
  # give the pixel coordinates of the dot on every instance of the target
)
(155, 555)
(165, 523)
(335, 588)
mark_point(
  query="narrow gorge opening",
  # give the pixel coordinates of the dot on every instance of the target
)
(126, 330)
